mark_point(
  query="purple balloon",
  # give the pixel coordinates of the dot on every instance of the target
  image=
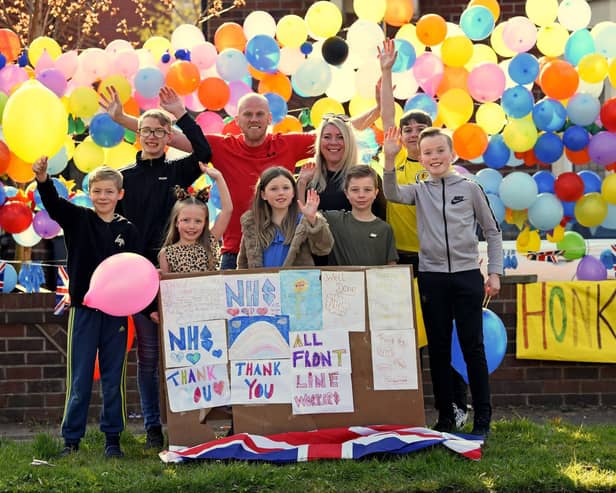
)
(54, 80)
(591, 269)
(45, 226)
(602, 148)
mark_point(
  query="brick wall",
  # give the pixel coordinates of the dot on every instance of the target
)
(32, 366)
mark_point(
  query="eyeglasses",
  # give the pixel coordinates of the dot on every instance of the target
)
(158, 132)
(334, 116)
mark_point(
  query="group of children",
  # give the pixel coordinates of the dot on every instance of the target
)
(281, 228)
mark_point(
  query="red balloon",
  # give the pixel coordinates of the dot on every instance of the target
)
(15, 217)
(231, 128)
(569, 187)
(608, 114)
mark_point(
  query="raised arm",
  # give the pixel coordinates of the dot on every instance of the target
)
(222, 221)
(387, 57)
(393, 191)
(60, 210)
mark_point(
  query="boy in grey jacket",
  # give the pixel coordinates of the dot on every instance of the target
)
(450, 282)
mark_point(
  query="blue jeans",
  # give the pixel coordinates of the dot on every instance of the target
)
(228, 261)
(148, 351)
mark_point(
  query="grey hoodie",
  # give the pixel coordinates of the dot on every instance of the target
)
(448, 210)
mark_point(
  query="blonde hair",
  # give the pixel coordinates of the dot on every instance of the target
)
(162, 116)
(172, 235)
(349, 158)
(106, 173)
(262, 211)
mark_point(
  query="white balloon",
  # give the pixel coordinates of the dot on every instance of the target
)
(367, 77)
(574, 14)
(593, 88)
(259, 22)
(185, 37)
(290, 60)
(342, 87)
(405, 84)
(27, 238)
(365, 38)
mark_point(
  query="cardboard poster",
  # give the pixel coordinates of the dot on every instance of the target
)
(200, 342)
(322, 391)
(261, 381)
(301, 298)
(259, 337)
(343, 300)
(197, 387)
(191, 298)
(251, 294)
(389, 298)
(394, 361)
(320, 350)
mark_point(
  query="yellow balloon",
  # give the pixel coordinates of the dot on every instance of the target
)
(88, 156)
(324, 19)
(498, 44)
(69, 146)
(608, 188)
(481, 53)
(398, 112)
(612, 73)
(157, 45)
(291, 31)
(359, 105)
(456, 51)
(83, 102)
(521, 242)
(43, 44)
(534, 241)
(455, 108)
(120, 84)
(591, 210)
(593, 67)
(34, 122)
(323, 106)
(491, 117)
(120, 156)
(520, 134)
(551, 39)
(370, 10)
(558, 233)
(408, 33)
(542, 12)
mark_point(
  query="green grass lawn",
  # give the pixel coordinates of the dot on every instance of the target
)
(520, 456)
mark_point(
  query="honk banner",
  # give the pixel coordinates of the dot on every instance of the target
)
(567, 321)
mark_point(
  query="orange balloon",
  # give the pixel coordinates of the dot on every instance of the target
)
(431, 29)
(213, 93)
(183, 77)
(277, 83)
(19, 171)
(578, 157)
(288, 124)
(379, 135)
(469, 141)
(5, 157)
(232, 128)
(398, 12)
(453, 77)
(491, 5)
(230, 35)
(256, 74)
(131, 107)
(10, 46)
(559, 79)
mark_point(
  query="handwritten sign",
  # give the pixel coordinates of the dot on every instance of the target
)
(322, 391)
(191, 298)
(567, 321)
(261, 381)
(343, 300)
(389, 298)
(301, 298)
(197, 387)
(327, 350)
(394, 362)
(203, 342)
(259, 337)
(251, 294)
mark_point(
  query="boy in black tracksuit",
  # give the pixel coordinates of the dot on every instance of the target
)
(91, 236)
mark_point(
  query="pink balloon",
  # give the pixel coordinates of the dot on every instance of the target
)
(210, 122)
(191, 101)
(146, 103)
(591, 269)
(44, 62)
(238, 89)
(203, 55)
(519, 34)
(486, 82)
(67, 63)
(428, 71)
(122, 285)
(125, 63)
(10, 76)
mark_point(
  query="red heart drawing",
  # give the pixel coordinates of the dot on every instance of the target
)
(197, 395)
(219, 387)
(233, 311)
(262, 311)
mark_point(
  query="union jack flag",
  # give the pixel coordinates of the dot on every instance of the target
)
(547, 256)
(613, 247)
(63, 299)
(2, 268)
(334, 443)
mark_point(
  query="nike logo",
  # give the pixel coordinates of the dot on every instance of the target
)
(457, 199)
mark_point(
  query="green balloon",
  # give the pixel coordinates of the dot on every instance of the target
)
(573, 244)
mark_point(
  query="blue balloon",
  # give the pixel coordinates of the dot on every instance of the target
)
(576, 138)
(610, 220)
(546, 212)
(2, 194)
(60, 188)
(10, 191)
(518, 190)
(10, 278)
(494, 343)
(579, 44)
(514, 161)
(592, 181)
(422, 102)
(497, 153)
(105, 132)
(608, 259)
(278, 106)
(263, 53)
(57, 162)
(523, 68)
(82, 200)
(549, 115)
(477, 22)
(545, 181)
(517, 101)
(215, 196)
(312, 78)
(490, 180)
(583, 109)
(148, 81)
(85, 183)
(549, 147)
(568, 209)
(231, 64)
(306, 48)
(405, 57)
(497, 207)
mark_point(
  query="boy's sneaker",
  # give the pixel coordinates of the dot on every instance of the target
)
(69, 448)
(460, 416)
(444, 425)
(154, 438)
(113, 451)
